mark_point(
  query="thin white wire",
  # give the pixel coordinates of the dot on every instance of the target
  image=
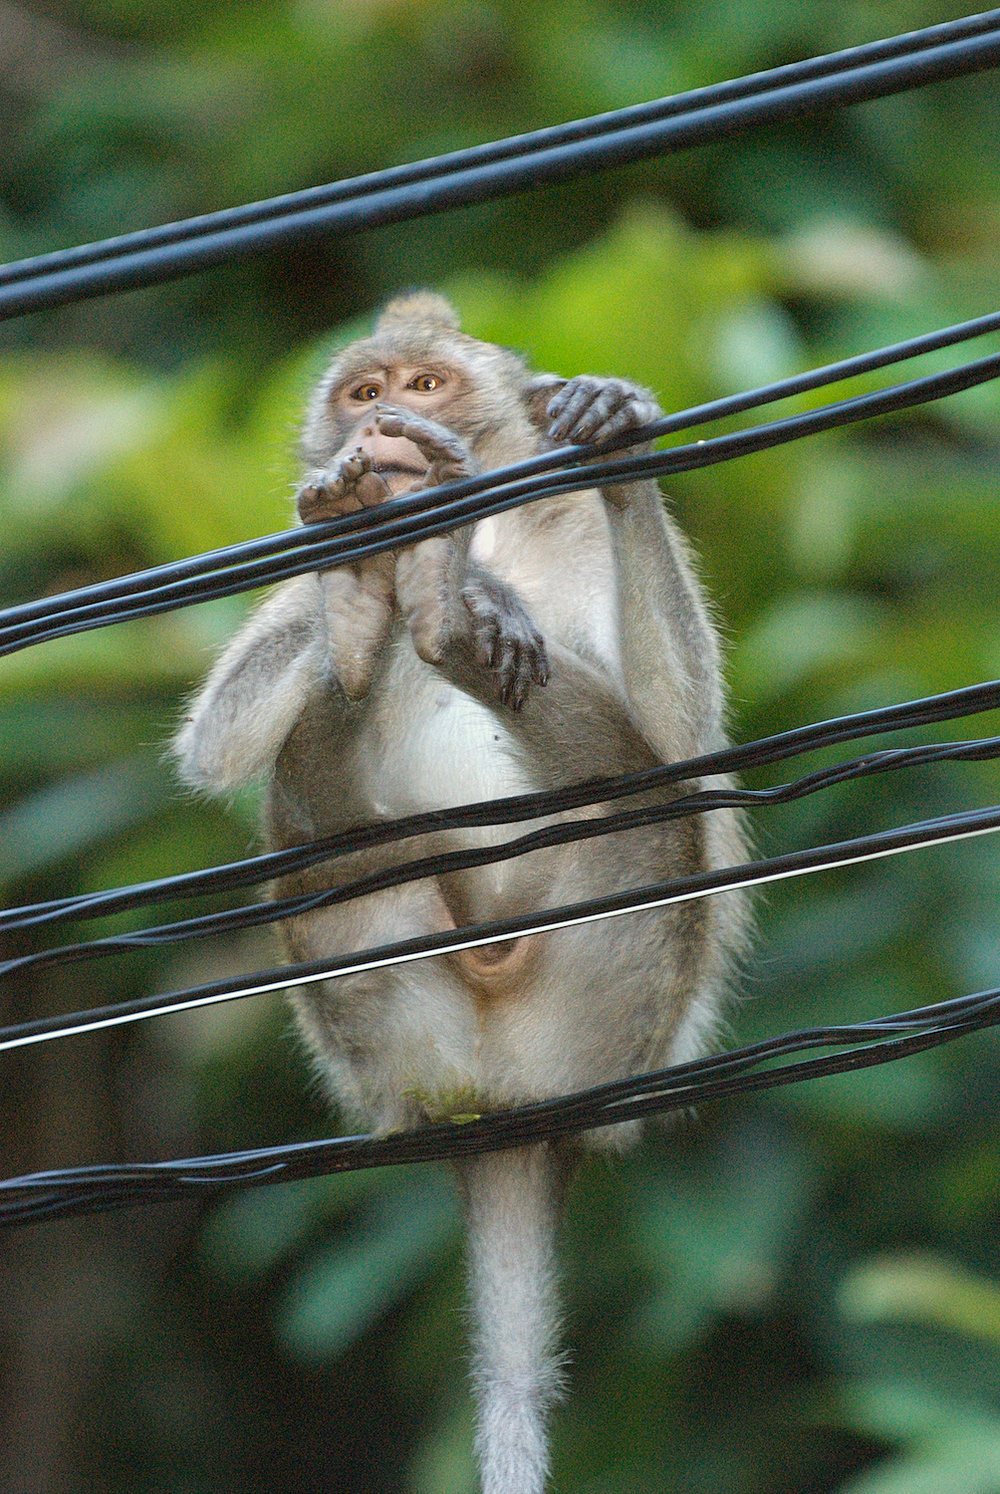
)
(758, 880)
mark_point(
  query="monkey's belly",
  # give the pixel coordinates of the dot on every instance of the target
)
(510, 1022)
(421, 1041)
(448, 751)
(482, 1029)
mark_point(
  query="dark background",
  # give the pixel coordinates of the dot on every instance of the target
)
(788, 1295)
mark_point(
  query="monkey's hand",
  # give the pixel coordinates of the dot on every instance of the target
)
(589, 409)
(468, 623)
(504, 638)
(447, 455)
(347, 485)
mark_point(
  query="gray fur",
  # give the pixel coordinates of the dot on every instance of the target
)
(563, 641)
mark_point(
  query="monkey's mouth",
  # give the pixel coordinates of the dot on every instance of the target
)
(399, 477)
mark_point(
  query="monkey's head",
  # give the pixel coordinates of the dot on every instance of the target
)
(417, 357)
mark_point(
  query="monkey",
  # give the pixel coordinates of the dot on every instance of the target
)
(560, 642)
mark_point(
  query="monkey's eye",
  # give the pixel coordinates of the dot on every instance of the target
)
(426, 383)
(366, 391)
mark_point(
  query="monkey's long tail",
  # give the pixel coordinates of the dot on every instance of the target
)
(512, 1207)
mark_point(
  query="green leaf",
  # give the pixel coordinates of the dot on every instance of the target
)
(249, 1234)
(344, 1288)
(80, 812)
(720, 1242)
(952, 1450)
(802, 635)
(922, 1288)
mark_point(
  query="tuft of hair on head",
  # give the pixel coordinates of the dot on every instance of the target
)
(424, 306)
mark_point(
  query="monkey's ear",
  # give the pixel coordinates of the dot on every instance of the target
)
(541, 389)
(423, 306)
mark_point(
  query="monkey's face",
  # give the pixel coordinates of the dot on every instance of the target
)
(430, 391)
(470, 388)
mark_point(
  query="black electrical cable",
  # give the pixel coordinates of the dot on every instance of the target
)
(969, 701)
(883, 843)
(425, 514)
(80, 1190)
(593, 127)
(104, 593)
(497, 170)
(565, 833)
(433, 186)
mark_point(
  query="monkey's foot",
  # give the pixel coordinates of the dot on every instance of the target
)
(590, 409)
(447, 455)
(504, 638)
(422, 591)
(346, 486)
(358, 608)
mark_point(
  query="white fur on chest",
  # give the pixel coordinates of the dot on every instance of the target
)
(450, 750)
(558, 555)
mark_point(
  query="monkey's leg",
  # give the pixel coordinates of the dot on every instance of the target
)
(357, 600)
(256, 691)
(512, 1204)
(451, 605)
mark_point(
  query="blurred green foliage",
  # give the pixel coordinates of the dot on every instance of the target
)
(786, 1295)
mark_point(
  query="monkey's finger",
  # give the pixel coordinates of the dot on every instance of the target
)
(319, 501)
(491, 644)
(513, 687)
(578, 390)
(442, 471)
(522, 678)
(539, 661)
(393, 420)
(370, 489)
(532, 667)
(485, 636)
(612, 399)
(589, 405)
(630, 417)
(309, 501)
(354, 466)
(569, 404)
(435, 441)
(485, 627)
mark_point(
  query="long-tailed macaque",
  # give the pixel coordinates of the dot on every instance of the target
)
(564, 641)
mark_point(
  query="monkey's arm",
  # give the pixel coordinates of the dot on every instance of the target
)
(670, 649)
(316, 628)
(256, 692)
(668, 645)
